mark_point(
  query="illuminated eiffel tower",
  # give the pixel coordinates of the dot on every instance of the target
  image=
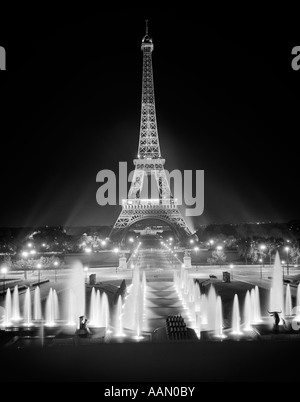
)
(149, 163)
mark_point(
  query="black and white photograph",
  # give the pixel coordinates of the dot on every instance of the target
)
(150, 204)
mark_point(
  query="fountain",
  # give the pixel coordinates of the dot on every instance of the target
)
(191, 291)
(50, 315)
(95, 309)
(27, 308)
(134, 304)
(104, 311)
(119, 318)
(197, 326)
(247, 312)
(288, 301)
(8, 309)
(16, 316)
(128, 313)
(56, 305)
(271, 297)
(276, 301)
(218, 332)
(139, 313)
(93, 319)
(71, 319)
(77, 287)
(298, 299)
(144, 283)
(255, 308)
(98, 309)
(236, 316)
(182, 276)
(212, 303)
(37, 308)
(204, 310)
(257, 305)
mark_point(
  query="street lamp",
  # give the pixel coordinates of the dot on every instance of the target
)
(287, 249)
(219, 249)
(103, 243)
(191, 241)
(32, 252)
(39, 266)
(88, 250)
(116, 250)
(25, 254)
(55, 264)
(4, 272)
(262, 248)
(29, 245)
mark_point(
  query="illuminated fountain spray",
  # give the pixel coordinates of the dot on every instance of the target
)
(197, 297)
(76, 297)
(212, 304)
(181, 277)
(52, 313)
(95, 309)
(247, 312)
(119, 318)
(16, 316)
(288, 301)
(37, 308)
(298, 300)
(27, 308)
(236, 317)
(8, 309)
(271, 297)
(93, 319)
(98, 309)
(177, 282)
(195, 306)
(257, 305)
(144, 284)
(139, 312)
(276, 300)
(197, 310)
(70, 308)
(204, 310)
(105, 318)
(134, 304)
(219, 319)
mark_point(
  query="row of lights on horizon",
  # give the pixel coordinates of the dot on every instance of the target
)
(103, 244)
(89, 249)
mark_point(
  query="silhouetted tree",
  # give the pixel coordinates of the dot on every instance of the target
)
(217, 257)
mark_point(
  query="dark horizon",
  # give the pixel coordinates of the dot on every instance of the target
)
(226, 102)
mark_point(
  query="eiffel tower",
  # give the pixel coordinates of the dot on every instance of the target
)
(149, 163)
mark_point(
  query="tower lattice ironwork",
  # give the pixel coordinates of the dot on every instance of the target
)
(149, 163)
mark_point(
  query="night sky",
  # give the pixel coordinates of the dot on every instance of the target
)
(227, 102)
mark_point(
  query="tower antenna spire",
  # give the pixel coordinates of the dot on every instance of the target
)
(146, 27)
